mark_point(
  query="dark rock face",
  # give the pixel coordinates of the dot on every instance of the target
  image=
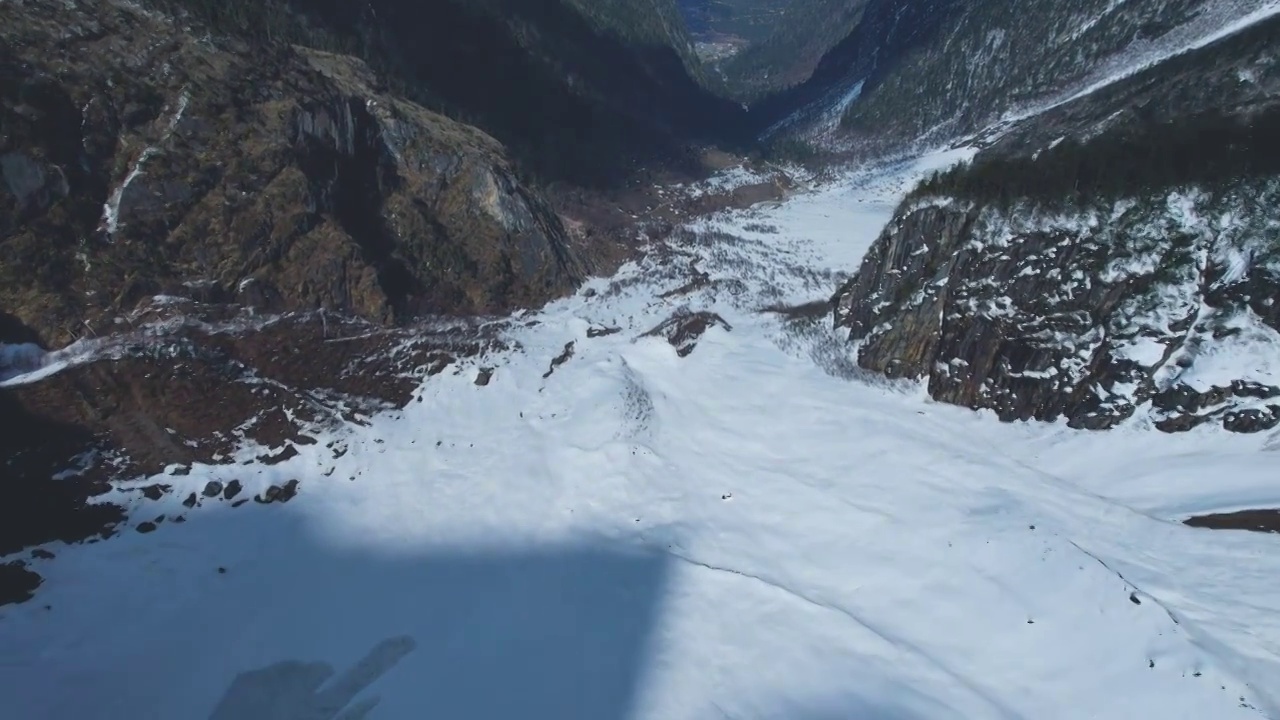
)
(146, 162)
(1089, 316)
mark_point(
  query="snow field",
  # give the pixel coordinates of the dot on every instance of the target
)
(753, 531)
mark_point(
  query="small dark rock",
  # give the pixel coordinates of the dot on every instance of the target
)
(17, 583)
(683, 329)
(180, 519)
(181, 471)
(1133, 598)
(42, 554)
(191, 500)
(222, 571)
(146, 527)
(232, 490)
(1267, 521)
(595, 332)
(155, 492)
(238, 503)
(212, 489)
(484, 377)
(275, 493)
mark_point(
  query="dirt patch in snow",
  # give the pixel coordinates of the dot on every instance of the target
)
(1267, 521)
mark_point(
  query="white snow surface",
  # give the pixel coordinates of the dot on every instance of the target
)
(754, 531)
(24, 363)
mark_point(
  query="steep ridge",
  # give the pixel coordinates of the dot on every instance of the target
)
(578, 91)
(913, 75)
(1111, 257)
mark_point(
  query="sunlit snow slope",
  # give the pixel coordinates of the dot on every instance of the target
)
(756, 530)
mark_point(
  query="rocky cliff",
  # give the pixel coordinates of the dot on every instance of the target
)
(139, 159)
(1115, 257)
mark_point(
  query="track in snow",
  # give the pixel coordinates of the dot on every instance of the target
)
(754, 531)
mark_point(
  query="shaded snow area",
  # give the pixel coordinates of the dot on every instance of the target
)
(754, 530)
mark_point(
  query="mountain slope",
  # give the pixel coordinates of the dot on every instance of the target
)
(1114, 256)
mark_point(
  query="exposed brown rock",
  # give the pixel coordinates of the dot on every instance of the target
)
(684, 328)
(17, 583)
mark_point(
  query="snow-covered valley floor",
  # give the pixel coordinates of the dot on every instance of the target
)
(756, 530)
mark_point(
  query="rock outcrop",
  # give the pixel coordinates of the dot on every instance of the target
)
(1088, 316)
(139, 159)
